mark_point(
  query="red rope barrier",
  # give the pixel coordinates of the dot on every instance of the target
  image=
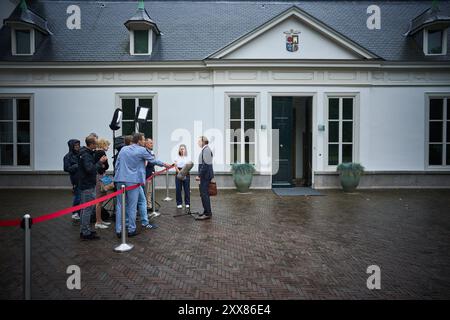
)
(49, 216)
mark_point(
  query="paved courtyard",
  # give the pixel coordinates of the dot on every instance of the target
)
(257, 246)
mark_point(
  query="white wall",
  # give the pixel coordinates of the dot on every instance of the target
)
(392, 124)
(272, 44)
(393, 129)
(61, 114)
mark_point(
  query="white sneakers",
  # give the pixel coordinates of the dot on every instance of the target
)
(102, 225)
(75, 216)
(154, 215)
(179, 206)
(187, 206)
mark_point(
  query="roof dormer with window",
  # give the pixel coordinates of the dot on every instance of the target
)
(430, 30)
(27, 30)
(143, 31)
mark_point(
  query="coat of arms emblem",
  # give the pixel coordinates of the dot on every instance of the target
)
(292, 40)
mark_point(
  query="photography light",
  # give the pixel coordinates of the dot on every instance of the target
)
(117, 118)
(142, 114)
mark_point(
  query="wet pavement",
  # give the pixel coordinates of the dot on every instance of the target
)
(256, 246)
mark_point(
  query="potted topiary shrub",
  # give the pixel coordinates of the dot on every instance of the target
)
(242, 176)
(349, 174)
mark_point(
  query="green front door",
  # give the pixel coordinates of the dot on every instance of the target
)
(282, 119)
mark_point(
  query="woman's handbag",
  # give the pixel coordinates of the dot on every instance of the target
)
(212, 188)
(106, 183)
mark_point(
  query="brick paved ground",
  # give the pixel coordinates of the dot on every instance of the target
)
(257, 246)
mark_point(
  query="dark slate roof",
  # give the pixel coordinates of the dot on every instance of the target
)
(194, 30)
(27, 16)
(427, 18)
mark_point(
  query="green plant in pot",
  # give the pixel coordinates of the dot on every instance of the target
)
(242, 176)
(349, 174)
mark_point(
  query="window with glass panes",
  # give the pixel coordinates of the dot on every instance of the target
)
(340, 130)
(435, 41)
(129, 108)
(15, 132)
(439, 132)
(23, 41)
(140, 41)
(242, 134)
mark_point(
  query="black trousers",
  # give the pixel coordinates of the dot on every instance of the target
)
(204, 194)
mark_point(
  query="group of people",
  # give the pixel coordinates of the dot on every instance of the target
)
(135, 163)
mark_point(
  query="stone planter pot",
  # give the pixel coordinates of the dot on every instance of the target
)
(243, 182)
(349, 174)
(349, 182)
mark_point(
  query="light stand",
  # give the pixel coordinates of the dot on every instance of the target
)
(187, 212)
(115, 125)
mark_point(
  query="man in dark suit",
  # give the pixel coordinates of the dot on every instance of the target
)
(205, 175)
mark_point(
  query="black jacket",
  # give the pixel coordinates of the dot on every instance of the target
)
(71, 161)
(88, 168)
(98, 155)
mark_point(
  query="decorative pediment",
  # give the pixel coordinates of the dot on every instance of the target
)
(294, 34)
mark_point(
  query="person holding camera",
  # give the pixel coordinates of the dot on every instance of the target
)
(88, 169)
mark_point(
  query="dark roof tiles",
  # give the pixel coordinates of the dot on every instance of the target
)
(194, 30)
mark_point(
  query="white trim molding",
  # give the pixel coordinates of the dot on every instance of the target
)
(443, 42)
(149, 46)
(14, 42)
(356, 126)
(15, 167)
(445, 122)
(93, 77)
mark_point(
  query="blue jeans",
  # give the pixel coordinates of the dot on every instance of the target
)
(86, 213)
(76, 197)
(131, 201)
(185, 184)
(142, 206)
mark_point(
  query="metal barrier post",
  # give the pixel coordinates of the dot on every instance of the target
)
(26, 225)
(167, 198)
(123, 246)
(154, 212)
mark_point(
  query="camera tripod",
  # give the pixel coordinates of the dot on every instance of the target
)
(187, 212)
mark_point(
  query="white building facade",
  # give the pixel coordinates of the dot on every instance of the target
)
(314, 100)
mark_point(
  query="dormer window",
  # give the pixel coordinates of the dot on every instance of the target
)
(433, 25)
(27, 27)
(22, 42)
(143, 31)
(435, 42)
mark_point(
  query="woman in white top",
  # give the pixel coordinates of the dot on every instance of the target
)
(180, 161)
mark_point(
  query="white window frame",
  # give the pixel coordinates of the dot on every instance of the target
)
(356, 128)
(150, 44)
(13, 41)
(428, 97)
(137, 96)
(16, 167)
(228, 143)
(444, 43)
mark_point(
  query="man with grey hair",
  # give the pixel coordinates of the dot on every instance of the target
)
(205, 175)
